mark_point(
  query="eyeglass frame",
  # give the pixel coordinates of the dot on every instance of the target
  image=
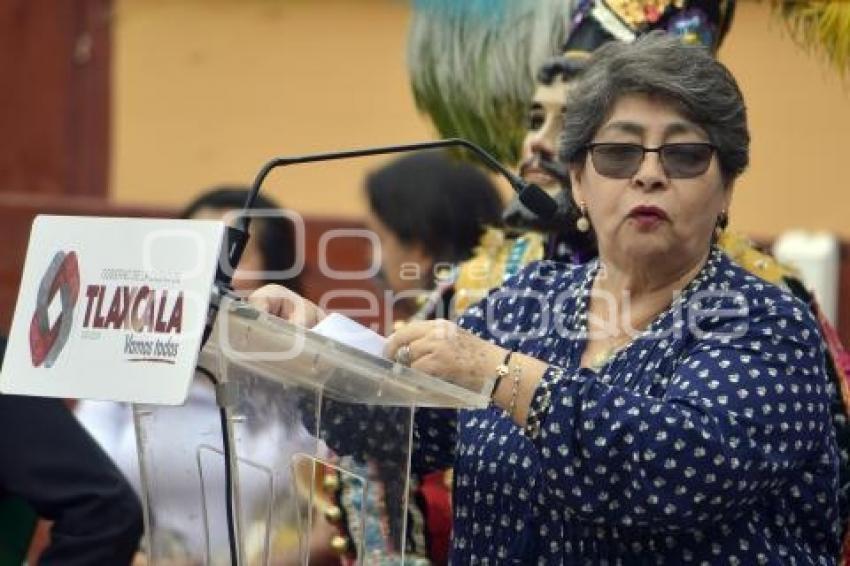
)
(588, 149)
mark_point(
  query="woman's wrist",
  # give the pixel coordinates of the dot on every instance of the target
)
(502, 394)
(516, 390)
(486, 369)
(501, 371)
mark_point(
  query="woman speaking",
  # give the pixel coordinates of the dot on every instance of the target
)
(657, 404)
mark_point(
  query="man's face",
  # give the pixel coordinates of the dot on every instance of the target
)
(545, 123)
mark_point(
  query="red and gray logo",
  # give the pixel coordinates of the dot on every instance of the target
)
(62, 277)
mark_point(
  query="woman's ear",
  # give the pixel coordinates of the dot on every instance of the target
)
(727, 194)
(575, 182)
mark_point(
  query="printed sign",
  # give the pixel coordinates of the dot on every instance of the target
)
(111, 308)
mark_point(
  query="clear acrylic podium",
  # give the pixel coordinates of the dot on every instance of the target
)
(300, 409)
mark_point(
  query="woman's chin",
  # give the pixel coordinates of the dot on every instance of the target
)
(640, 246)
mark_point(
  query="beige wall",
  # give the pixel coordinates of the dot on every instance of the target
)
(799, 113)
(206, 90)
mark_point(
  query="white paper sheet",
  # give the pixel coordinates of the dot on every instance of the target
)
(351, 333)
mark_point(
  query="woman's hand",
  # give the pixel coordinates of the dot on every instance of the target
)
(442, 349)
(286, 304)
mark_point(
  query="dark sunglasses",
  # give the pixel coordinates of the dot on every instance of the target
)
(622, 160)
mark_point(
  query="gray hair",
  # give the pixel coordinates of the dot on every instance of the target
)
(659, 65)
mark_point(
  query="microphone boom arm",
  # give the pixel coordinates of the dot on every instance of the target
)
(532, 196)
(488, 159)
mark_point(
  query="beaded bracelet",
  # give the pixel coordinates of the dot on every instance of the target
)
(539, 409)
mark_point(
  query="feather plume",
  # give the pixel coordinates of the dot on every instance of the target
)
(472, 65)
(820, 26)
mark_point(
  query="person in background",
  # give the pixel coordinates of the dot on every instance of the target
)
(428, 210)
(49, 462)
(271, 246)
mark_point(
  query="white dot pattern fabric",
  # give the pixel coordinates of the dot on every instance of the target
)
(707, 440)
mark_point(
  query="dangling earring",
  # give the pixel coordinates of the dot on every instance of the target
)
(583, 222)
(720, 225)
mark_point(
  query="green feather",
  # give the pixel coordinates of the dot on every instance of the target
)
(821, 27)
(472, 65)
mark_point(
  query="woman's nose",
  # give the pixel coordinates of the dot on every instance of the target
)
(650, 173)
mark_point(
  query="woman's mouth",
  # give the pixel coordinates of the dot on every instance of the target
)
(648, 217)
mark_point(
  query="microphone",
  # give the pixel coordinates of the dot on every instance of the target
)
(236, 237)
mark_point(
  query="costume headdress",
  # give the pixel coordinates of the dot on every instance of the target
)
(702, 22)
(472, 65)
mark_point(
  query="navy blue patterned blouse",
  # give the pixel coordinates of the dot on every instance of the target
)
(707, 440)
